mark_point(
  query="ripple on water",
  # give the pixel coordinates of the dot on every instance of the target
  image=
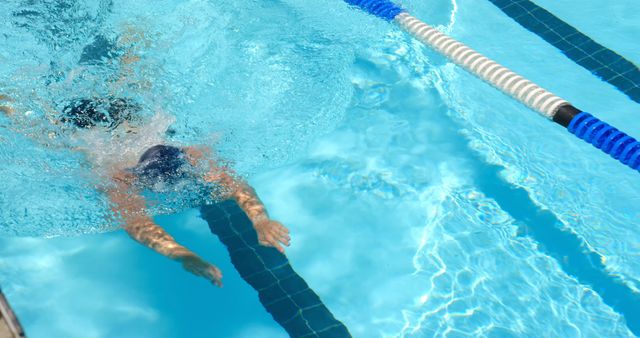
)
(259, 91)
(483, 283)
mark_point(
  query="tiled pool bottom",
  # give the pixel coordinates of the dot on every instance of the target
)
(598, 59)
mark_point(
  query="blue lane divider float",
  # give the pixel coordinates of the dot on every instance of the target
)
(606, 138)
(585, 126)
(384, 9)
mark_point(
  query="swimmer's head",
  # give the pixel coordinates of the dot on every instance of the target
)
(161, 164)
(104, 112)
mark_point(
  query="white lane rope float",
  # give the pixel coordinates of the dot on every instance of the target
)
(582, 124)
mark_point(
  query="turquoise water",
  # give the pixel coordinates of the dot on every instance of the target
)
(421, 201)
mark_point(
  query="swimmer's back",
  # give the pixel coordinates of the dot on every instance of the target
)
(112, 132)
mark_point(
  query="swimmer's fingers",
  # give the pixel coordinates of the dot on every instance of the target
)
(215, 276)
(7, 110)
(273, 234)
(283, 238)
(282, 234)
(281, 229)
(212, 273)
(202, 268)
(266, 240)
(274, 243)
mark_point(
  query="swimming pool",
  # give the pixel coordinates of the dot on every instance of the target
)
(419, 205)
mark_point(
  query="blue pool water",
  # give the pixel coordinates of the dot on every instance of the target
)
(421, 201)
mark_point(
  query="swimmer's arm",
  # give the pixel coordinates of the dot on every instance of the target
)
(5, 106)
(131, 208)
(133, 41)
(270, 232)
(19, 125)
(235, 188)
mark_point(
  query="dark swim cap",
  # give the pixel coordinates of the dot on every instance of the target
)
(160, 163)
(108, 112)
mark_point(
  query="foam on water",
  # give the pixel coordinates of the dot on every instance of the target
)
(229, 80)
(216, 68)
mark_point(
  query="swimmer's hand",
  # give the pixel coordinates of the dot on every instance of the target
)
(199, 267)
(272, 233)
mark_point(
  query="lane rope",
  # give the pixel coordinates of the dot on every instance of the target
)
(585, 126)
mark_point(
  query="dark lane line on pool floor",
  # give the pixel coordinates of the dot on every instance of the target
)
(564, 246)
(541, 225)
(580, 48)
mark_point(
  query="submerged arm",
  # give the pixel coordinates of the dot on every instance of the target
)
(36, 129)
(4, 107)
(130, 206)
(270, 232)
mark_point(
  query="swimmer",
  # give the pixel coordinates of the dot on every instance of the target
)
(136, 160)
(164, 164)
(134, 156)
(255, 242)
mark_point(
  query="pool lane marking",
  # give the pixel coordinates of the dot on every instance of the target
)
(282, 292)
(564, 245)
(601, 61)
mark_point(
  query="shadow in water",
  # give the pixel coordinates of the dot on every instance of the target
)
(566, 247)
